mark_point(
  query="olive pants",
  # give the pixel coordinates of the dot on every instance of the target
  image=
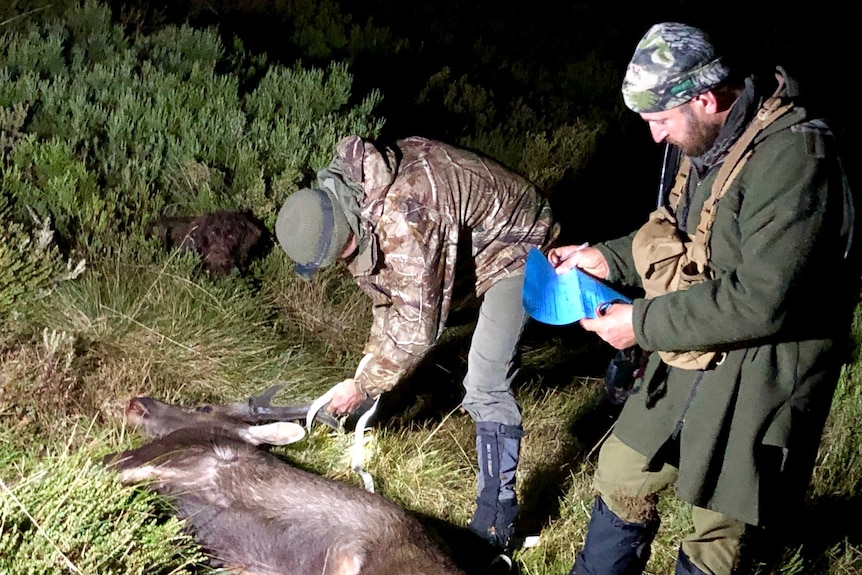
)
(632, 494)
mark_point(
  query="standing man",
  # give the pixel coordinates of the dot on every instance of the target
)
(750, 242)
(401, 217)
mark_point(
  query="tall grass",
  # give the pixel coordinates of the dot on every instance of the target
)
(166, 331)
(64, 513)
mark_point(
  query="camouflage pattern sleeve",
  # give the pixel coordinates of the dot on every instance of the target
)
(406, 322)
(438, 199)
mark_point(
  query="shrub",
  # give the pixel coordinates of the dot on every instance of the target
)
(120, 130)
(30, 263)
(67, 514)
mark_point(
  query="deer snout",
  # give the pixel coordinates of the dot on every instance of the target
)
(136, 411)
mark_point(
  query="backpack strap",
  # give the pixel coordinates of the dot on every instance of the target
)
(740, 152)
(678, 186)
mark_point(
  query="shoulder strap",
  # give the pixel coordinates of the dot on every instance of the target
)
(740, 152)
(678, 186)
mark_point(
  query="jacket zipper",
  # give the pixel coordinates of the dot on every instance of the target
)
(688, 402)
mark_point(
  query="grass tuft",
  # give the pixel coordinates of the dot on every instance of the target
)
(65, 513)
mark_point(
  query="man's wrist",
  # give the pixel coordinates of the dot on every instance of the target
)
(360, 389)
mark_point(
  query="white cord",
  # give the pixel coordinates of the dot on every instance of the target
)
(357, 454)
(315, 407)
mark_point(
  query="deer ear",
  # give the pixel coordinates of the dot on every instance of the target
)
(278, 433)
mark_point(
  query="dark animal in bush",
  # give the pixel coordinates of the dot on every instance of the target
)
(256, 513)
(225, 240)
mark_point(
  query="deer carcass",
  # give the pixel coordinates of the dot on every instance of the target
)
(255, 513)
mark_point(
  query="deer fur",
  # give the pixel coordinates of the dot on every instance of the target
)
(254, 512)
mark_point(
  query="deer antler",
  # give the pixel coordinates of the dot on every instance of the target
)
(259, 408)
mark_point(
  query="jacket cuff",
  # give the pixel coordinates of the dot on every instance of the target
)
(640, 306)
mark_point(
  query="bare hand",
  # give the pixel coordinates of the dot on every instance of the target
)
(589, 259)
(615, 326)
(345, 398)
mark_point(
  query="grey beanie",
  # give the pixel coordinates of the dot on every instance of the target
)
(312, 229)
(672, 64)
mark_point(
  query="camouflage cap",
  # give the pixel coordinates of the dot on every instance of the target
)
(672, 64)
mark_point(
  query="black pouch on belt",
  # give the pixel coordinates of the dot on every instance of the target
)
(622, 372)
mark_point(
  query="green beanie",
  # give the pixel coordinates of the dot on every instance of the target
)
(312, 229)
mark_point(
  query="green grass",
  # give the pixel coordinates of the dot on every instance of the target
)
(63, 512)
(164, 330)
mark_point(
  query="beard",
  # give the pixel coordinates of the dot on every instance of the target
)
(698, 138)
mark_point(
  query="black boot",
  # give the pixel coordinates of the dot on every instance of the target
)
(684, 566)
(498, 447)
(614, 546)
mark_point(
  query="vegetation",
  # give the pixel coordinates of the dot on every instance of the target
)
(113, 115)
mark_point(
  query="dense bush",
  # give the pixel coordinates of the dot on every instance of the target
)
(30, 263)
(118, 130)
(445, 74)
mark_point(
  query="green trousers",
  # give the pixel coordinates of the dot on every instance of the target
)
(632, 494)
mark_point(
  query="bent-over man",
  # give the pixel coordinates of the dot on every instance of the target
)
(399, 217)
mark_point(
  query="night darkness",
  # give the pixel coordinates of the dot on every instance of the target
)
(548, 38)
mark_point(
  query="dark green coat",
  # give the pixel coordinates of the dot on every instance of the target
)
(749, 429)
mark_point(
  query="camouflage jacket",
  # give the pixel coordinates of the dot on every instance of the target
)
(422, 200)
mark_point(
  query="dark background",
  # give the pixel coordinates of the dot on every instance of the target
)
(565, 60)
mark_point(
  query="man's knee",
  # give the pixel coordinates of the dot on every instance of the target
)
(629, 491)
(715, 544)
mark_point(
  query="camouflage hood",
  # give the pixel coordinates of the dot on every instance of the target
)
(362, 166)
